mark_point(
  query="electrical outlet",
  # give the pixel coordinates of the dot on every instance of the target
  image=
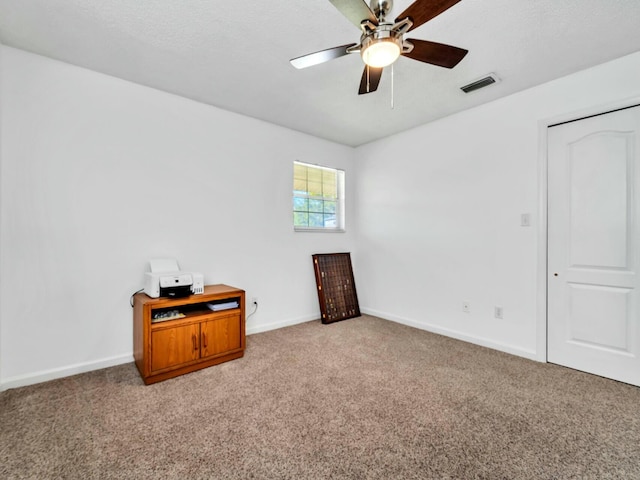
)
(497, 312)
(254, 300)
(466, 307)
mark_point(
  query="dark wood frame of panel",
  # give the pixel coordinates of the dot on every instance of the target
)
(336, 286)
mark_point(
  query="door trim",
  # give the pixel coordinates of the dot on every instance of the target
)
(542, 230)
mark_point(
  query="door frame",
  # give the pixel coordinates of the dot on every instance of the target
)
(542, 227)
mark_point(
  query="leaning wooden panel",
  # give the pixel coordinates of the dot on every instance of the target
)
(336, 287)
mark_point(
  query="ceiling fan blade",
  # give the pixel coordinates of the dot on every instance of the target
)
(322, 56)
(446, 56)
(370, 80)
(355, 10)
(421, 11)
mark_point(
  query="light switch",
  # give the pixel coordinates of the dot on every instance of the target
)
(525, 220)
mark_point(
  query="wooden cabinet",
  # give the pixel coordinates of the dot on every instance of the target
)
(220, 335)
(173, 346)
(179, 335)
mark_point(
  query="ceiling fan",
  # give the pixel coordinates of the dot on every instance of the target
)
(382, 41)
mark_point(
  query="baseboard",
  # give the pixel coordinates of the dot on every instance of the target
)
(46, 375)
(277, 325)
(483, 342)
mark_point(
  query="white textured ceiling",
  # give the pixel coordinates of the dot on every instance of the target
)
(235, 54)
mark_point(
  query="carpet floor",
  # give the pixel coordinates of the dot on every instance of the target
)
(360, 399)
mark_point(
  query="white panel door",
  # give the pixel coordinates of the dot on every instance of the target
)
(594, 245)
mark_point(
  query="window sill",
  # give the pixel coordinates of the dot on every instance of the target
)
(319, 230)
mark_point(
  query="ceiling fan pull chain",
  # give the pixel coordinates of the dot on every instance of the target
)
(392, 90)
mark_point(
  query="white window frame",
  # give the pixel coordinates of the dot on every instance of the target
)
(340, 200)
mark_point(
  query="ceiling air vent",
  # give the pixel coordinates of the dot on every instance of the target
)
(481, 83)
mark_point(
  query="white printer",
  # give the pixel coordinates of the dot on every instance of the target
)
(166, 280)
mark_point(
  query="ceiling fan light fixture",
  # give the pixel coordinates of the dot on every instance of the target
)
(382, 40)
(381, 52)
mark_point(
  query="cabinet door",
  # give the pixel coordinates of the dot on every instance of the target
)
(220, 335)
(174, 346)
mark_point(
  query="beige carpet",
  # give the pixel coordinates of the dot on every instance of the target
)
(363, 398)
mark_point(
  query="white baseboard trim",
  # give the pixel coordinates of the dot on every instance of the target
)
(46, 375)
(277, 325)
(483, 342)
(55, 373)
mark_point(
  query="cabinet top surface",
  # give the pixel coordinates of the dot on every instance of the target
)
(210, 292)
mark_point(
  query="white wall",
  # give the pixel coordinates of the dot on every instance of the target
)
(1, 109)
(439, 213)
(98, 175)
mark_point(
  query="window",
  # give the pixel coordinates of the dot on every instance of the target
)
(318, 198)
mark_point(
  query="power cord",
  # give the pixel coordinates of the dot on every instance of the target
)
(132, 295)
(254, 310)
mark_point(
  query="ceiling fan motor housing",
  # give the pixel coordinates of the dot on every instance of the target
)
(380, 8)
